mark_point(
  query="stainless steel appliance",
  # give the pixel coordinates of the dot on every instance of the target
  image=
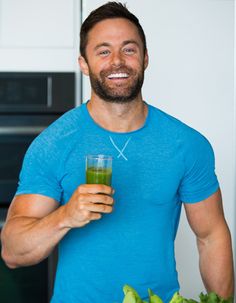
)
(16, 134)
(29, 102)
(36, 92)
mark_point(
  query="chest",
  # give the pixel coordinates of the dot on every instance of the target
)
(144, 166)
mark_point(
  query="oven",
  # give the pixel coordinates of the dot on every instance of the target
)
(42, 93)
(29, 102)
(16, 134)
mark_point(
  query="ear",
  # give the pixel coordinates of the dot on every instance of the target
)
(83, 65)
(146, 59)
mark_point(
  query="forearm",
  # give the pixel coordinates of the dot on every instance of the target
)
(36, 224)
(216, 263)
(27, 240)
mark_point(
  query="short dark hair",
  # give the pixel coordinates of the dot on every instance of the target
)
(109, 10)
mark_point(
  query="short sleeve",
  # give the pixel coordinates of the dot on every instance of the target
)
(199, 181)
(39, 173)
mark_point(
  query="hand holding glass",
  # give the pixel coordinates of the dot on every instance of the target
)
(98, 169)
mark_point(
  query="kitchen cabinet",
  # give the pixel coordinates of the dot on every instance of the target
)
(191, 76)
(39, 35)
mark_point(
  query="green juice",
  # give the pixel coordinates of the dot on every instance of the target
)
(98, 175)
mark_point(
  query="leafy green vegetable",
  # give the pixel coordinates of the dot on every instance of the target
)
(177, 298)
(131, 296)
(212, 297)
(154, 298)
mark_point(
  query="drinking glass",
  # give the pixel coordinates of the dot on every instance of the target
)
(98, 169)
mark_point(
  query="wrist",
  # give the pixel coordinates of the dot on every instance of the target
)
(63, 221)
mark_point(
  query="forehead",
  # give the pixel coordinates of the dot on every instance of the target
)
(113, 31)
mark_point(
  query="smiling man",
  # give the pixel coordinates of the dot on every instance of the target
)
(159, 162)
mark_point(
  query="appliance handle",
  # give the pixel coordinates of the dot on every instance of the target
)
(21, 130)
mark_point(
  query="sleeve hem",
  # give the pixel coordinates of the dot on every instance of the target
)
(50, 194)
(200, 196)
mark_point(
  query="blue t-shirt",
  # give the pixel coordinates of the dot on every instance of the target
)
(155, 169)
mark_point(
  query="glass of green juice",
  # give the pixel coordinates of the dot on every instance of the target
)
(98, 169)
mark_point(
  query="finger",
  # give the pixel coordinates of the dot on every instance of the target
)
(95, 188)
(97, 208)
(95, 198)
(95, 216)
(100, 198)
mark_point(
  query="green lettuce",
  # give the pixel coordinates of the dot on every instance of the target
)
(132, 296)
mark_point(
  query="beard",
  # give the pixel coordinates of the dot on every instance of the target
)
(120, 93)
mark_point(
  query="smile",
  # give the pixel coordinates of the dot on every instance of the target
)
(118, 75)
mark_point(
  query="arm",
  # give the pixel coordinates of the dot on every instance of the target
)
(207, 221)
(35, 223)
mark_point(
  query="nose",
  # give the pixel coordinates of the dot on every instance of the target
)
(117, 59)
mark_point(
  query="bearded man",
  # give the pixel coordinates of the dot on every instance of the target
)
(159, 164)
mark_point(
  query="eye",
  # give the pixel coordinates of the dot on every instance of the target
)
(104, 53)
(129, 50)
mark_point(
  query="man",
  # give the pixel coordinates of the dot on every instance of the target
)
(159, 163)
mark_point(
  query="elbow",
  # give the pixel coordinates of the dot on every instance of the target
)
(6, 255)
(8, 260)
(15, 261)
(11, 265)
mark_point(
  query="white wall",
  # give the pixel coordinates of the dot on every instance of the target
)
(191, 76)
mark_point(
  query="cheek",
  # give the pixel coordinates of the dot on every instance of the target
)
(135, 63)
(96, 66)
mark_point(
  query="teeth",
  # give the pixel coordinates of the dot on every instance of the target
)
(119, 75)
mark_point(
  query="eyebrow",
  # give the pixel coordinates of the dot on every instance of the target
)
(106, 44)
(101, 45)
(130, 42)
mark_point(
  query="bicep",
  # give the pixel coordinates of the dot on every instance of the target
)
(31, 205)
(207, 216)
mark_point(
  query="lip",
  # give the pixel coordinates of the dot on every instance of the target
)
(117, 79)
(118, 82)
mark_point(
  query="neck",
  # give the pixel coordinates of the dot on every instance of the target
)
(116, 117)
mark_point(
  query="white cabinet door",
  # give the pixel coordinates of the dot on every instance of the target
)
(39, 35)
(191, 76)
(33, 23)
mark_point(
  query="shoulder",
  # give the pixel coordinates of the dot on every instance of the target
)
(63, 128)
(195, 157)
(67, 124)
(58, 137)
(175, 128)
